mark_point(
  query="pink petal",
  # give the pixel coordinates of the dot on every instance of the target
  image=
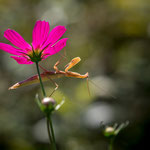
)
(22, 60)
(10, 49)
(40, 33)
(54, 36)
(16, 39)
(51, 50)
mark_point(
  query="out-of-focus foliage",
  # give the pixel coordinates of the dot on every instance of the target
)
(112, 37)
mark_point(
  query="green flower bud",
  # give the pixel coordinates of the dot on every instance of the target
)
(109, 131)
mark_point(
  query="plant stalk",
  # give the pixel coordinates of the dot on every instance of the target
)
(49, 133)
(49, 121)
(111, 144)
(52, 132)
(41, 83)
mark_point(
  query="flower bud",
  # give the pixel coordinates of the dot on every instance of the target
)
(48, 101)
(109, 131)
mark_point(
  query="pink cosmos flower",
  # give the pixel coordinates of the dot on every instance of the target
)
(44, 43)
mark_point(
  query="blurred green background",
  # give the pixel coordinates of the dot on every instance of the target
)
(112, 37)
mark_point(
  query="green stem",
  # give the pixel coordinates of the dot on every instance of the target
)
(49, 133)
(41, 83)
(52, 132)
(111, 144)
(49, 121)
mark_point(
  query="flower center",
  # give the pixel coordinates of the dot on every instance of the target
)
(35, 55)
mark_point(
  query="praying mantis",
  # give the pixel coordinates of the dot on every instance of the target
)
(50, 75)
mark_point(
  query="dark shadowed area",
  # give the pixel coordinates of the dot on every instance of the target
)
(112, 37)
